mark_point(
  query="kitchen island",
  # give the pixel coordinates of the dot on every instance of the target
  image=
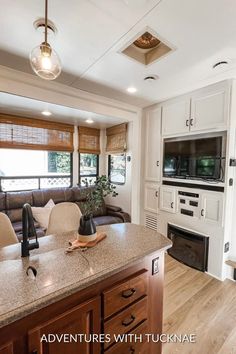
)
(111, 289)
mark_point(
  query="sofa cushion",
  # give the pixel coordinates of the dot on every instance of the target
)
(2, 201)
(18, 230)
(106, 220)
(58, 195)
(77, 194)
(16, 200)
(42, 214)
(15, 215)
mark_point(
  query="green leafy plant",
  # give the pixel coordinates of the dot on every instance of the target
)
(95, 194)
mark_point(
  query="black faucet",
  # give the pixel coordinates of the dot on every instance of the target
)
(28, 231)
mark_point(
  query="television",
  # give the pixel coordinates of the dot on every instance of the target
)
(194, 158)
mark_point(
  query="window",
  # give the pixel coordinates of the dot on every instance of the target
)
(88, 168)
(117, 168)
(32, 169)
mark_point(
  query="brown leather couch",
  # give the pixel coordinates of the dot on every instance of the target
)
(11, 203)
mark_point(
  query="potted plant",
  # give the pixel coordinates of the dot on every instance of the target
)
(94, 198)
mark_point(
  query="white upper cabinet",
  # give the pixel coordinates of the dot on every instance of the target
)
(175, 116)
(202, 110)
(209, 111)
(153, 145)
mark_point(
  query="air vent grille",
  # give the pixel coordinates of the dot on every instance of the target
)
(151, 222)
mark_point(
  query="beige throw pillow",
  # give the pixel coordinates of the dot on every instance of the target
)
(42, 214)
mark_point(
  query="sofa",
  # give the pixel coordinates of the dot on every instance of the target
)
(11, 203)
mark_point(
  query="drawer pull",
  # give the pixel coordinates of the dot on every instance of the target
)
(128, 293)
(129, 321)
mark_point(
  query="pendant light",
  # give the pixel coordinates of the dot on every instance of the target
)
(43, 59)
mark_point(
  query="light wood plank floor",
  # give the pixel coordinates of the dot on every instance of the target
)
(196, 303)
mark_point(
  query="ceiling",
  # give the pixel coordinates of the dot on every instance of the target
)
(92, 34)
(26, 107)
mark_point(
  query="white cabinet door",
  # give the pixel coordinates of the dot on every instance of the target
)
(153, 145)
(209, 111)
(212, 207)
(176, 117)
(151, 198)
(168, 199)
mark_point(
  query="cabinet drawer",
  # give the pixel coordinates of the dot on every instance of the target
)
(126, 320)
(124, 294)
(134, 346)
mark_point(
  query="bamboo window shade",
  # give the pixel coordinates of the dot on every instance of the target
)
(35, 134)
(116, 139)
(89, 140)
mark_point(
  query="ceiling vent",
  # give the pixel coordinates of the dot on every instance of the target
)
(147, 47)
(220, 63)
(151, 78)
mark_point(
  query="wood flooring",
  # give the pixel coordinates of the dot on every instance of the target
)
(196, 303)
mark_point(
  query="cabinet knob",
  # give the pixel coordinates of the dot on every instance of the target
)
(172, 205)
(128, 322)
(191, 122)
(187, 122)
(128, 293)
(202, 212)
(158, 163)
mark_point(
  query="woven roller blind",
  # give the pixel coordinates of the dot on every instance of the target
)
(27, 133)
(116, 139)
(89, 140)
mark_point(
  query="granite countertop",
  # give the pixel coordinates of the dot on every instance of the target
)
(60, 275)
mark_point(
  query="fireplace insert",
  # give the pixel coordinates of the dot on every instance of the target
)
(189, 247)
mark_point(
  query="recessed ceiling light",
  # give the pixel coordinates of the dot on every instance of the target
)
(46, 113)
(89, 121)
(131, 89)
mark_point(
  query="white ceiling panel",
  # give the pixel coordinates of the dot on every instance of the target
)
(91, 34)
(26, 107)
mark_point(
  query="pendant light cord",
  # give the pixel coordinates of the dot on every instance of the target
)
(46, 21)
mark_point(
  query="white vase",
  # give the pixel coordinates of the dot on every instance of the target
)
(87, 238)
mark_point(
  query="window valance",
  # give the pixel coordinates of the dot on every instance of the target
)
(35, 134)
(116, 139)
(89, 140)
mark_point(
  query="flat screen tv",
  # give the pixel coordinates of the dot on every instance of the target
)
(194, 159)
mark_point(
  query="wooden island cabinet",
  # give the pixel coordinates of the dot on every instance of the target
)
(129, 302)
(85, 307)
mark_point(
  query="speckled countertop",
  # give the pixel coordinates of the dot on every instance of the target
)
(60, 275)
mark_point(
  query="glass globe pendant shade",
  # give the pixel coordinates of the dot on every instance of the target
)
(45, 62)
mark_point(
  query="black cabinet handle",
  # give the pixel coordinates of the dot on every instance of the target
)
(202, 212)
(158, 163)
(191, 122)
(128, 293)
(172, 205)
(156, 193)
(128, 322)
(187, 122)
